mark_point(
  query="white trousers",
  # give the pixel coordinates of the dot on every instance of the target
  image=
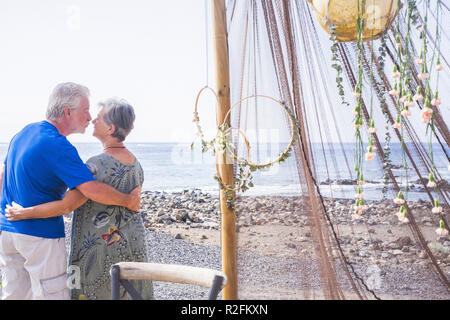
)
(33, 267)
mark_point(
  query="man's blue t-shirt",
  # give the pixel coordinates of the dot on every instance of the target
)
(39, 167)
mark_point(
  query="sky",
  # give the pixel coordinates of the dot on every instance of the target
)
(151, 53)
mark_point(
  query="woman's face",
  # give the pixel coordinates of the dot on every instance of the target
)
(101, 129)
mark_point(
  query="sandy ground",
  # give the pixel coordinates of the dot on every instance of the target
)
(405, 276)
(286, 241)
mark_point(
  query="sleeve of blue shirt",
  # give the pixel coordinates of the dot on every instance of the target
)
(71, 169)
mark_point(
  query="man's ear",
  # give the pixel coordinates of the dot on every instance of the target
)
(112, 128)
(67, 112)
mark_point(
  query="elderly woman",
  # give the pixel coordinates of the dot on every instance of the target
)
(103, 235)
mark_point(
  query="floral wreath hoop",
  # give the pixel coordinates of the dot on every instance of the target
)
(283, 155)
(247, 174)
(221, 134)
(220, 141)
(206, 144)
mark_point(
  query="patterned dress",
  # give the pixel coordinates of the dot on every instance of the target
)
(103, 235)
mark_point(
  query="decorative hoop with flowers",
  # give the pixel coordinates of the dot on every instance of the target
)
(222, 143)
(282, 156)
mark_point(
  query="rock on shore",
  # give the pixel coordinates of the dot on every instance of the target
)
(197, 209)
(378, 238)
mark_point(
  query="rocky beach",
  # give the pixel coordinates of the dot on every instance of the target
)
(275, 254)
(275, 243)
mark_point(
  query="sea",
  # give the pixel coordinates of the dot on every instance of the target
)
(174, 167)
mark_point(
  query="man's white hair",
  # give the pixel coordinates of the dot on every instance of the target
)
(67, 94)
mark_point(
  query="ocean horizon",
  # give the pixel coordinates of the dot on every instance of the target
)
(173, 167)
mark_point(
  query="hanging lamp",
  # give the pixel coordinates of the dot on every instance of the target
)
(343, 14)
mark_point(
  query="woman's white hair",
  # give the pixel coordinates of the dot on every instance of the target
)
(120, 113)
(67, 94)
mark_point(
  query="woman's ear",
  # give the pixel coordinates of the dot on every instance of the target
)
(111, 129)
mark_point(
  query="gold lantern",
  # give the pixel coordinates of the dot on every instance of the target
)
(343, 14)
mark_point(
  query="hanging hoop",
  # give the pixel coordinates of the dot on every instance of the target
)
(247, 174)
(196, 120)
(294, 134)
(220, 144)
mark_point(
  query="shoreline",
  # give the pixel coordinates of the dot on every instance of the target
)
(342, 189)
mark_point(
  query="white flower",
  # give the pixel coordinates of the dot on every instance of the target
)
(431, 184)
(401, 215)
(423, 76)
(397, 125)
(399, 201)
(370, 156)
(442, 232)
(409, 103)
(406, 113)
(403, 219)
(394, 92)
(356, 216)
(360, 208)
(436, 102)
(426, 115)
(436, 210)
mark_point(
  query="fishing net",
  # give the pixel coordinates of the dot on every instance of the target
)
(297, 235)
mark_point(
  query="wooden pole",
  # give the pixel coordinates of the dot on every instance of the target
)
(228, 216)
(168, 273)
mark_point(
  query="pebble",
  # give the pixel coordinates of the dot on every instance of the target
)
(195, 207)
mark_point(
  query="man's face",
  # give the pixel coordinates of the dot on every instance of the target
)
(80, 117)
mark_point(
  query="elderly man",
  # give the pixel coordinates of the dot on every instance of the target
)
(41, 164)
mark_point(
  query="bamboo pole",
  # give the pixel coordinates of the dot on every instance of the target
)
(228, 216)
